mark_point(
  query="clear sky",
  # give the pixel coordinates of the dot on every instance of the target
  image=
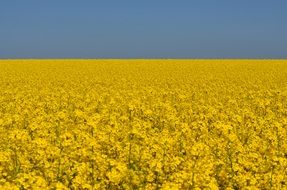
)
(143, 29)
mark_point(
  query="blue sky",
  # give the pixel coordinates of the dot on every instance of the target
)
(143, 29)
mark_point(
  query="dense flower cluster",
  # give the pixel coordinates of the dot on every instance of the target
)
(143, 124)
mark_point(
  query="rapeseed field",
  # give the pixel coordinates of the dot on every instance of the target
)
(143, 124)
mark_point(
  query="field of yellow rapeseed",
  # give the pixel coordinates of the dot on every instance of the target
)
(143, 124)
